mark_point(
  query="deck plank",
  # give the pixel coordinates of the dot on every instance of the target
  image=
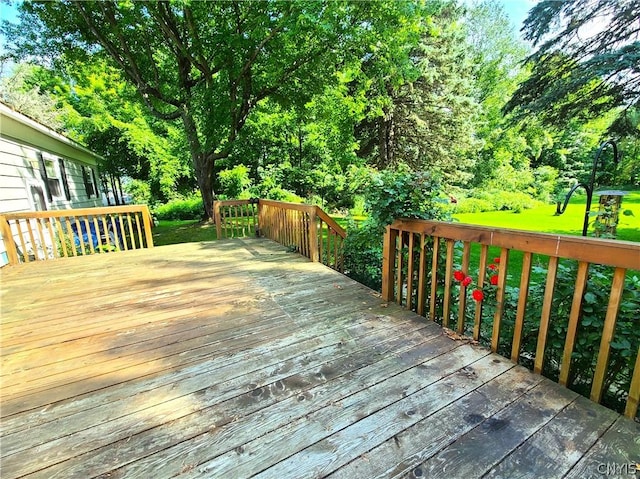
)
(237, 358)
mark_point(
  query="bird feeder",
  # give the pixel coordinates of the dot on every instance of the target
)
(608, 212)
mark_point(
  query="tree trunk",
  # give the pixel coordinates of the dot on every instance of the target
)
(202, 165)
(204, 174)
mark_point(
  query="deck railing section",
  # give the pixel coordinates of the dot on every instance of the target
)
(306, 229)
(236, 218)
(45, 235)
(421, 257)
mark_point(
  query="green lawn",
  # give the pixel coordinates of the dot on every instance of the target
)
(174, 232)
(542, 218)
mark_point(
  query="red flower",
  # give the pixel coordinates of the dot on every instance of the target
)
(494, 279)
(458, 275)
(477, 294)
(496, 260)
(467, 281)
(493, 267)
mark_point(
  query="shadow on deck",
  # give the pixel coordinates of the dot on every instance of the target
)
(238, 359)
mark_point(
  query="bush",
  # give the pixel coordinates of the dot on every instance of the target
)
(140, 192)
(473, 205)
(235, 182)
(392, 194)
(181, 209)
(505, 200)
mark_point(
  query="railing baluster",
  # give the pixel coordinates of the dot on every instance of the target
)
(32, 238)
(447, 284)
(410, 272)
(97, 231)
(631, 408)
(574, 318)
(89, 238)
(607, 334)
(130, 227)
(434, 279)
(43, 241)
(522, 306)
(138, 219)
(23, 245)
(52, 237)
(422, 266)
(388, 263)
(500, 294)
(546, 314)
(69, 236)
(482, 269)
(462, 305)
(61, 238)
(399, 265)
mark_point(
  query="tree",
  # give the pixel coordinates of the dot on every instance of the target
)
(95, 106)
(421, 111)
(208, 64)
(586, 61)
(29, 100)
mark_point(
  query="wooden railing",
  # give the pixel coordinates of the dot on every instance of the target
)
(45, 235)
(303, 228)
(520, 304)
(235, 218)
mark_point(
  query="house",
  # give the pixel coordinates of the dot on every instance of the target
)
(41, 169)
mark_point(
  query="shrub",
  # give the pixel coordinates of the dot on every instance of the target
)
(473, 205)
(392, 194)
(235, 181)
(140, 191)
(181, 209)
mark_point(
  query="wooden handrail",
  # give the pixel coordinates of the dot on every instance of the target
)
(331, 222)
(419, 261)
(44, 235)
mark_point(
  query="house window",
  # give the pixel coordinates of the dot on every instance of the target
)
(65, 181)
(89, 181)
(49, 176)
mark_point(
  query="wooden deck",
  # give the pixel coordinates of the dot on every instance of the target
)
(236, 358)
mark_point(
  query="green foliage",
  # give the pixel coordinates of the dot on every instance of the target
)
(391, 194)
(584, 68)
(140, 191)
(235, 182)
(494, 200)
(421, 111)
(181, 209)
(203, 67)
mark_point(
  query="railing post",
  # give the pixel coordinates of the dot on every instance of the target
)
(314, 253)
(217, 219)
(260, 220)
(388, 263)
(146, 220)
(9, 243)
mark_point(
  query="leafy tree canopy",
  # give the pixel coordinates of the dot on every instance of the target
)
(586, 60)
(208, 64)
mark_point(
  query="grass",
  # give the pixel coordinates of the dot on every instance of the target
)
(188, 231)
(542, 218)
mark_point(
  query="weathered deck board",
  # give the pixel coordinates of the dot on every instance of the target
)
(236, 358)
